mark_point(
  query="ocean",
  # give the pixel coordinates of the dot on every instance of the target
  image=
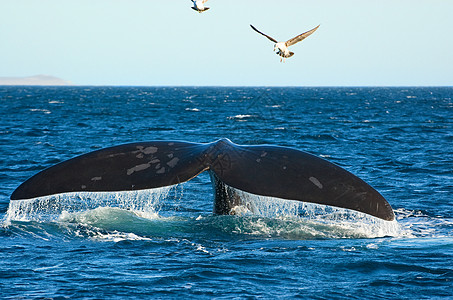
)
(167, 243)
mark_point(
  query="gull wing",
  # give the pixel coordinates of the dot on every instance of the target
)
(300, 37)
(269, 37)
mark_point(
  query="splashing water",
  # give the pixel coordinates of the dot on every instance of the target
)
(256, 216)
(351, 223)
(50, 208)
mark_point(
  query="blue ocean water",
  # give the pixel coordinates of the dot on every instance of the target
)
(166, 243)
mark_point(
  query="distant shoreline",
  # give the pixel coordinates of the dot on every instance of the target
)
(46, 80)
(34, 80)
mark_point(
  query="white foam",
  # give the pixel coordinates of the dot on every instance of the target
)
(117, 236)
(46, 111)
(241, 117)
(418, 224)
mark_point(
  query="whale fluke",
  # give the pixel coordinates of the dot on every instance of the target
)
(262, 170)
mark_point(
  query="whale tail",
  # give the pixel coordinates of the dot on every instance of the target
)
(262, 170)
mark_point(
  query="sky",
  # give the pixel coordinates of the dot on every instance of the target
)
(156, 43)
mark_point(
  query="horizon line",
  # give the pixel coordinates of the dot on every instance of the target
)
(207, 86)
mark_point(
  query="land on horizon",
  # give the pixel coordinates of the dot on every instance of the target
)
(34, 80)
(49, 80)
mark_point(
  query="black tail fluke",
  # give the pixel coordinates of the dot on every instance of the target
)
(263, 170)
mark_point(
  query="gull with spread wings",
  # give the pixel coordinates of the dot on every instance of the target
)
(282, 47)
(198, 5)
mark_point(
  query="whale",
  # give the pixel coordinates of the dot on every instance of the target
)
(265, 170)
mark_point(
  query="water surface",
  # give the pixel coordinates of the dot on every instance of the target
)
(166, 243)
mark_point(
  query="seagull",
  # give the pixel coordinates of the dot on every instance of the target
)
(198, 5)
(282, 47)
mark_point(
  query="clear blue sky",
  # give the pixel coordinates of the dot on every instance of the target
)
(151, 42)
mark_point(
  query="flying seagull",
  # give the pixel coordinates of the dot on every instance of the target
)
(282, 47)
(198, 5)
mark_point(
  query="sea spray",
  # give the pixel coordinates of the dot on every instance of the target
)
(345, 222)
(50, 208)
